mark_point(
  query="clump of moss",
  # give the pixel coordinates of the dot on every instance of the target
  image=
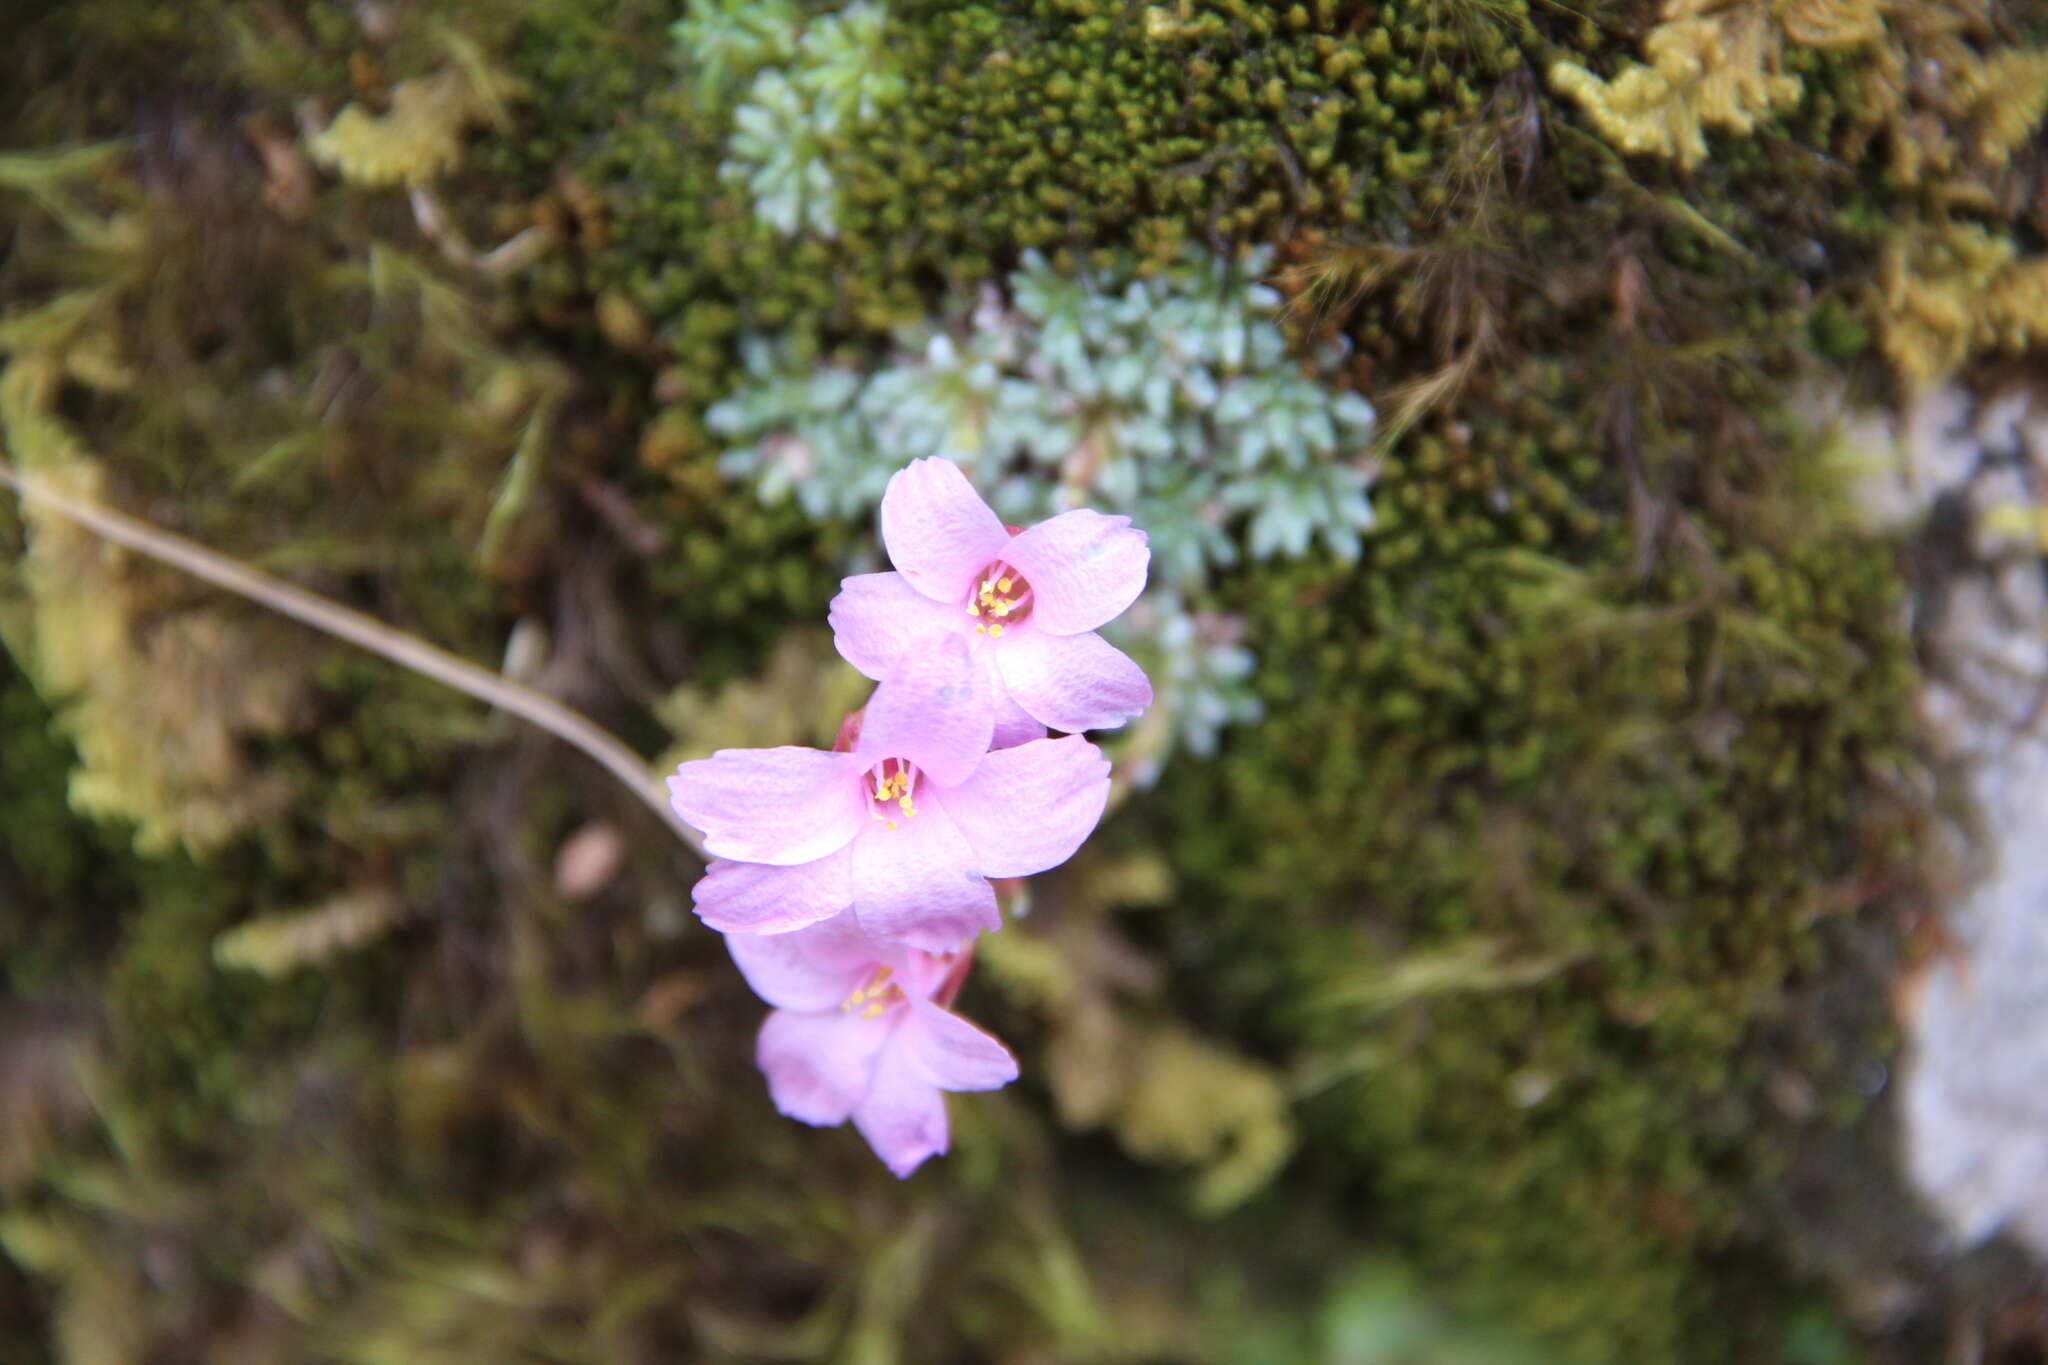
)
(1611, 790)
(61, 879)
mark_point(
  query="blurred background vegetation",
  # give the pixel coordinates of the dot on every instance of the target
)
(1487, 957)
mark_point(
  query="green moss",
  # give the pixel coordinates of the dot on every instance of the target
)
(1639, 783)
(62, 881)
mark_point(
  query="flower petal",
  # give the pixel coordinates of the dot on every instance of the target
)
(1072, 682)
(935, 710)
(952, 1053)
(1084, 568)
(917, 884)
(782, 806)
(762, 898)
(876, 614)
(903, 1116)
(1014, 725)
(812, 969)
(819, 1066)
(1028, 808)
(938, 531)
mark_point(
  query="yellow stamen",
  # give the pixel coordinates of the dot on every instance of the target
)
(982, 630)
(995, 630)
(974, 608)
(1003, 584)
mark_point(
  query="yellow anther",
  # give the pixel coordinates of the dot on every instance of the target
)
(873, 1011)
(974, 608)
(891, 824)
(983, 630)
(1003, 584)
(1005, 608)
(995, 630)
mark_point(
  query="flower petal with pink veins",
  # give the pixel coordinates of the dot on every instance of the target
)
(820, 1066)
(938, 531)
(876, 614)
(903, 1115)
(782, 806)
(1072, 682)
(917, 884)
(761, 898)
(812, 969)
(1027, 809)
(1084, 569)
(952, 1053)
(934, 710)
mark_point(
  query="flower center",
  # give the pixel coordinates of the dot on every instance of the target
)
(1000, 596)
(892, 789)
(874, 997)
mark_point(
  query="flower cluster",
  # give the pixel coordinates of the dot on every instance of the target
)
(851, 884)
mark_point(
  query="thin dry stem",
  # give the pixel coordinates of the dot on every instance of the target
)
(388, 642)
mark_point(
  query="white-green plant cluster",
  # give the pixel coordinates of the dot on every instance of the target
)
(806, 81)
(1172, 398)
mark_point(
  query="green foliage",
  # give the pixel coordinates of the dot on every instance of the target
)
(720, 44)
(1592, 819)
(810, 83)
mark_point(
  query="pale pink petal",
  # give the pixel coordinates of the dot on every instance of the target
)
(1028, 808)
(876, 614)
(1084, 569)
(917, 884)
(952, 1053)
(781, 806)
(934, 710)
(789, 977)
(903, 1115)
(938, 531)
(761, 898)
(1014, 725)
(819, 1066)
(1072, 682)
(919, 973)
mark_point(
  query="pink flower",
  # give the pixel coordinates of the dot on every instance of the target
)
(855, 1034)
(905, 830)
(1027, 604)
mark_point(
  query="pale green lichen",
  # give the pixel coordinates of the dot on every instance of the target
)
(1709, 64)
(420, 137)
